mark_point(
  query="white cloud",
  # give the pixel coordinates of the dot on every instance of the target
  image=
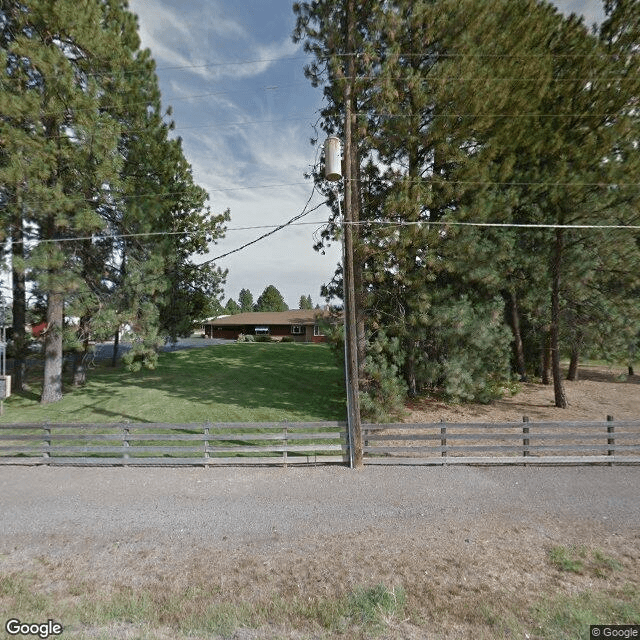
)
(265, 146)
(590, 9)
(198, 37)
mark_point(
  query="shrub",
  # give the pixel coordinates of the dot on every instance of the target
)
(288, 339)
(246, 338)
(383, 391)
(263, 338)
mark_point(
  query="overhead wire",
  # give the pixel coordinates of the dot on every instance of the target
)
(293, 222)
(335, 54)
(401, 180)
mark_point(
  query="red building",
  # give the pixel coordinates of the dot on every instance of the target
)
(303, 325)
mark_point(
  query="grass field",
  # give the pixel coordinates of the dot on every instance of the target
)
(222, 383)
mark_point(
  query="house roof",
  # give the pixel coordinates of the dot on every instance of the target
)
(266, 318)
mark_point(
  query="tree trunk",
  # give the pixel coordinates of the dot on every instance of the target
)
(558, 386)
(410, 370)
(546, 358)
(631, 370)
(79, 369)
(19, 304)
(80, 357)
(518, 349)
(52, 386)
(116, 344)
(573, 363)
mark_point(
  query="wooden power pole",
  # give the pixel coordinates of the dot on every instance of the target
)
(349, 280)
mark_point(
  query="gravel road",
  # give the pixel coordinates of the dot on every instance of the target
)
(209, 505)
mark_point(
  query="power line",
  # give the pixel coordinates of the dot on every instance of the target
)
(290, 222)
(222, 123)
(172, 99)
(170, 194)
(330, 55)
(293, 222)
(168, 101)
(515, 225)
(500, 115)
(427, 181)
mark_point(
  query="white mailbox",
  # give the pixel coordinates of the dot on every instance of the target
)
(5, 386)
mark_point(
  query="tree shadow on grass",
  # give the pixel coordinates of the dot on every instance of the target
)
(301, 382)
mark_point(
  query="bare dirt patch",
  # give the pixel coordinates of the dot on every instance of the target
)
(600, 391)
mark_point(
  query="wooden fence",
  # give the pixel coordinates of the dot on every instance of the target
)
(210, 444)
(174, 444)
(612, 442)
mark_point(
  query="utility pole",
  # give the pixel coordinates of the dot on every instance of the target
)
(351, 335)
(333, 172)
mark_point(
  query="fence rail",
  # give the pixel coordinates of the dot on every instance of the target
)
(211, 444)
(609, 441)
(159, 444)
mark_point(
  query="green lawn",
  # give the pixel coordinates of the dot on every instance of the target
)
(245, 382)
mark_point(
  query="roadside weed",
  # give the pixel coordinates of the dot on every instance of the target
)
(578, 559)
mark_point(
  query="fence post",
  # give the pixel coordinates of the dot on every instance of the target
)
(46, 445)
(443, 438)
(285, 441)
(610, 437)
(206, 441)
(525, 441)
(125, 441)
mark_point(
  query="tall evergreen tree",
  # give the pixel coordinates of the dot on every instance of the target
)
(245, 300)
(271, 300)
(232, 307)
(517, 116)
(60, 138)
(88, 155)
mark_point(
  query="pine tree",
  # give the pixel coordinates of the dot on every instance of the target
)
(271, 300)
(305, 302)
(231, 308)
(55, 127)
(517, 116)
(245, 300)
(88, 155)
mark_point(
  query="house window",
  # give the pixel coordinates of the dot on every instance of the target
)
(316, 330)
(262, 331)
(297, 329)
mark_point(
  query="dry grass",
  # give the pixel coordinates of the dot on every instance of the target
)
(497, 582)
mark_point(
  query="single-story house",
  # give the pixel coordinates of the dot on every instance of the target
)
(303, 325)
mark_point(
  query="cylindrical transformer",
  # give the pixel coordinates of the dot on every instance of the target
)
(332, 160)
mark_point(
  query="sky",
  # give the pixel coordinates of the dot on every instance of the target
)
(246, 114)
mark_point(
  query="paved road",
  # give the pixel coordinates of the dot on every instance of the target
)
(104, 350)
